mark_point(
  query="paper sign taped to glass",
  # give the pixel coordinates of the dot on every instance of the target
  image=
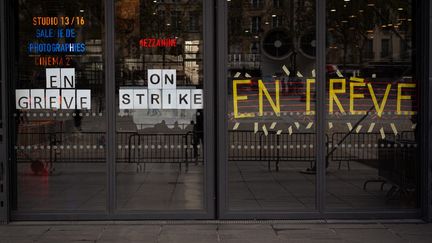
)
(60, 93)
(161, 93)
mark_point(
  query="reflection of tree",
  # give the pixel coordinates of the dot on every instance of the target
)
(304, 17)
(352, 24)
(236, 22)
(162, 20)
(296, 17)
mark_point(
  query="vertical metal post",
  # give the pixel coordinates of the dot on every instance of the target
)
(4, 175)
(110, 103)
(427, 101)
(209, 107)
(423, 67)
(221, 110)
(320, 103)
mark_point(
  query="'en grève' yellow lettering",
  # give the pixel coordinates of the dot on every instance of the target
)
(263, 90)
(237, 98)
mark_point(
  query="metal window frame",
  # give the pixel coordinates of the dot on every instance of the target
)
(4, 175)
(427, 110)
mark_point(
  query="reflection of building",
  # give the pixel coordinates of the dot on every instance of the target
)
(383, 36)
(270, 33)
(388, 45)
(380, 45)
(160, 19)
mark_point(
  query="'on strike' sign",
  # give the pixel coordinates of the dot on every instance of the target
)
(161, 93)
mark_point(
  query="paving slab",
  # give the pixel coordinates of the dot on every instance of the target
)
(416, 238)
(309, 234)
(21, 233)
(423, 229)
(248, 234)
(184, 228)
(130, 233)
(368, 235)
(73, 233)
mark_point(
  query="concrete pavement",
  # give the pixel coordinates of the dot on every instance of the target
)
(217, 231)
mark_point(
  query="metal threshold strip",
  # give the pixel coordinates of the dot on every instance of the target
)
(221, 222)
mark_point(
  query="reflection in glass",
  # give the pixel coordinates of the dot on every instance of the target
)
(160, 143)
(271, 83)
(372, 154)
(59, 142)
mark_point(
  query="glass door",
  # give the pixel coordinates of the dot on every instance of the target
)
(269, 116)
(163, 109)
(58, 114)
(373, 106)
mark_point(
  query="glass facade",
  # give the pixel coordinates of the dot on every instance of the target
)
(179, 109)
(373, 104)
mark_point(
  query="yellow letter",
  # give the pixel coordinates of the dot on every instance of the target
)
(401, 97)
(308, 95)
(379, 108)
(236, 98)
(334, 91)
(356, 96)
(262, 89)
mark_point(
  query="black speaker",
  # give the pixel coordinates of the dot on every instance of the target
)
(306, 44)
(277, 44)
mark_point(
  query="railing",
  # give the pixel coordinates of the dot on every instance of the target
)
(367, 146)
(61, 147)
(271, 147)
(165, 148)
(356, 146)
(89, 147)
(186, 147)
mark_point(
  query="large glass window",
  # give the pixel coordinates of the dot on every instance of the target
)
(58, 121)
(159, 83)
(271, 104)
(373, 103)
(59, 116)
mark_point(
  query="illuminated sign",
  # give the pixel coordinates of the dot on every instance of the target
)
(55, 42)
(157, 42)
(161, 93)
